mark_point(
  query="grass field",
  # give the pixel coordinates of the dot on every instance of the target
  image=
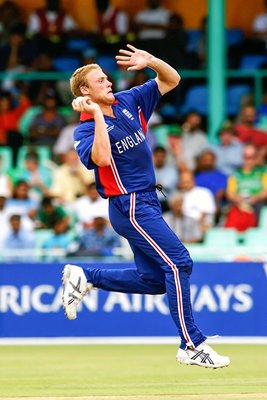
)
(128, 372)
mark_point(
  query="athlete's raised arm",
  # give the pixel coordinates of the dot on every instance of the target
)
(167, 77)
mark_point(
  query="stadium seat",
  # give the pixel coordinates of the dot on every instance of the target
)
(43, 152)
(78, 44)
(217, 237)
(66, 64)
(234, 97)
(193, 38)
(234, 36)
(196, 99)
(6, 157)
(256, 237)
(251, 62)
(107, 63)
(263, 218)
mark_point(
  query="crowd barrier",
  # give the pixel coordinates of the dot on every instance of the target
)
(228, 298)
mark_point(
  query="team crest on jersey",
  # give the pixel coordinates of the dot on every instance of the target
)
(128, 114)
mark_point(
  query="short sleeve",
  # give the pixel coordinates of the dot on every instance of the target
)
(83, 143)
(147, 96)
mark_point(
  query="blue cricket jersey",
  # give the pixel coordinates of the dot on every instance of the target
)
(131, 166)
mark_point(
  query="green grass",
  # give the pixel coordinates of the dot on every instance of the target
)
(125, 370)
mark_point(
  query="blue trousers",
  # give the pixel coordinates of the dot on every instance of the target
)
(163, 264)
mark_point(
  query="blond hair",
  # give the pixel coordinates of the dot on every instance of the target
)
(78, 78)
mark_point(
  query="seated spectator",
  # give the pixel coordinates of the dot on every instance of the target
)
(207, 176)
(193, 142)
(64, 142)
(37, 176)
(229, 151)
(85, 207)
(18, 239)
(99, 240)
(151, 25)
(188, 230)
(166, 175)
(17, 52)
(60, 239)
(49, 26)
(6, 185)
(49, 213)
(11, 110)
(111, 28)
(10, 15)
(70, 179)
(259, 29)
(198, 202)
(247, 192)
(20, 202)
(245, 127)
(176, 38)
(45, 127)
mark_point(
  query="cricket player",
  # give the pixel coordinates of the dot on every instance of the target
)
(111, 139)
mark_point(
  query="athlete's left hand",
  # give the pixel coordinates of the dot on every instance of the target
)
(135, 59)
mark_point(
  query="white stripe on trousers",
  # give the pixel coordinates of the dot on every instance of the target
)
(169, 262)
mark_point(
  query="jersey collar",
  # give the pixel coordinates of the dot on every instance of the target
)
(87, 117)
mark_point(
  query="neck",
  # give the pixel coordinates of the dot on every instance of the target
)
(107, 110)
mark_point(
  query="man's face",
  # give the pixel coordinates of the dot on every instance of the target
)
(159, 158)
(186, 181)
(248, 115)
(99, 87)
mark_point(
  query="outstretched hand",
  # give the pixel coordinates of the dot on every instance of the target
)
(135, 59)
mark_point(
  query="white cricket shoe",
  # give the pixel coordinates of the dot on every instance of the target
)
(203, 356)
(75, 287)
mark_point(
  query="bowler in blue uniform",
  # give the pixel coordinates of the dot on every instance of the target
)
(111, 139)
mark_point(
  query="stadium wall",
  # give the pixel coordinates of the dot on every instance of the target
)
(228, 298)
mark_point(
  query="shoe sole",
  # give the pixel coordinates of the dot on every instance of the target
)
(181, 361)
(65, 277)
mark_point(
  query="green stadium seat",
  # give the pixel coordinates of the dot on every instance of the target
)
(216, 237)
(256, 237)
(263, 218)
(44, 154)
(6, 156)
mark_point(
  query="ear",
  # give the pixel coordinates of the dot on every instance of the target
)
(84, 90)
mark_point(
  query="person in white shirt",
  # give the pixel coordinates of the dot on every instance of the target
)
(198, 202)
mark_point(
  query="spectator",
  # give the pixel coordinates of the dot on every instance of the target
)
(247, 191)
(49, 213)
(70, 179)
(20, 202)
(193, 142)
(166, 175)
(38, 88)
(89, 205)
(246, 127)
(99, 240)
(49, 26)
(151, 26)
(176, 38)
(46, 125)
(64, 142)
(37, 176)
(60, 239)
(18, 240)
(112, 26)
(259, 28)
(198, 202)
(207, 176)
(189, 230)
(18, 52)
(10, 113)
(10, 15)
(6, 185)
(229, 151)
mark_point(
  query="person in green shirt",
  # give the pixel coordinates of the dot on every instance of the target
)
(49, 214)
